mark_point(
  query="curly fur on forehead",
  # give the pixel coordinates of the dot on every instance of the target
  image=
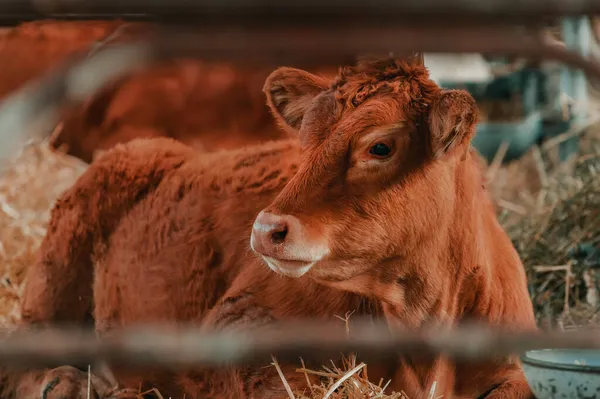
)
(406, 78)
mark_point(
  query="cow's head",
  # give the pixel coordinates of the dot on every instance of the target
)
(380, 147)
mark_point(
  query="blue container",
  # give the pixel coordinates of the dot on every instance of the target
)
(563, 373)
(535, 88)
(522, 134)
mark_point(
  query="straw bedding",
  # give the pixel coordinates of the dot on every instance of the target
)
(552, 213)
(28, 188)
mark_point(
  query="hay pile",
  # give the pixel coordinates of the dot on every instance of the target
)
(348, 381)
(552, 213)
(28, 188)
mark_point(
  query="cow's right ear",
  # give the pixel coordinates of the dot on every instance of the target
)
(452, 121)
(289, 93)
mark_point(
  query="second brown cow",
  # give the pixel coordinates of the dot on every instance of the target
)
(207, 105)
(378, 206)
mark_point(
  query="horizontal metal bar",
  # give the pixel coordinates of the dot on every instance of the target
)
(34, 110)
(340, 45)
(184, 347)
(306, 12)
(14, 19)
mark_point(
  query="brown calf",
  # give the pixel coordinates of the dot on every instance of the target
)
(30, 49)
(388, 202)
(207, 105)
(379, 207)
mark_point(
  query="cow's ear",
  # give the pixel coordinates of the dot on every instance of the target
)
(289, 93)
(452, 121)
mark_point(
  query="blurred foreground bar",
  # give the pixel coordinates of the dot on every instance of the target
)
(185, 347)
(83, 74)
(298, 13)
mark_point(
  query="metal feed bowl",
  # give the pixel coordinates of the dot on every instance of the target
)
(563, 373)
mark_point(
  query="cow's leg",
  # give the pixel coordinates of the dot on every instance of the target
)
(238, 311)
(234, 312)
(515, 386)
(500, 379)
(442, 377)
(424, 378)
(59, 383)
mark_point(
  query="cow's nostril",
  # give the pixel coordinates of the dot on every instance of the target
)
(278, 236)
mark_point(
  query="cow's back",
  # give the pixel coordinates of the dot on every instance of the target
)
(177, 251)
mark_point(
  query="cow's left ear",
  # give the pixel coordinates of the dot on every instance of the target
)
(452, 121)
(290, 92)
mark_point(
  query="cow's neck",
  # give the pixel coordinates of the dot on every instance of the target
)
(447, 279)
(440, 279)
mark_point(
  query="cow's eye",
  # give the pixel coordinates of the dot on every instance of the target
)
(380, 150)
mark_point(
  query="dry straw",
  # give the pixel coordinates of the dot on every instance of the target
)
(29, 186)
(551, 211)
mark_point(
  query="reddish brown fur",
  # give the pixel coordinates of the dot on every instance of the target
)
(210, 106)
(167, 232)
(30, 49)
